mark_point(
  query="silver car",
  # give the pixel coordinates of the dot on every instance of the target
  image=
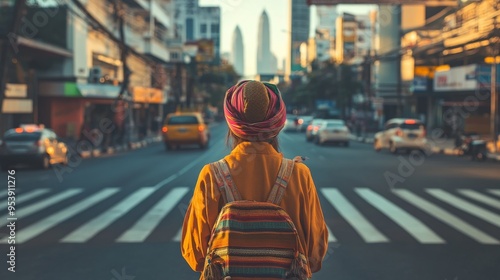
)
(32, 145)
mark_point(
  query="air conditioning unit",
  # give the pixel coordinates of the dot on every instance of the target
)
(95, 74)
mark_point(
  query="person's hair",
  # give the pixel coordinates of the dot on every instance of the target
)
(232, 141)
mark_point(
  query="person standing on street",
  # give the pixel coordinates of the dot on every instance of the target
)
(255, 114)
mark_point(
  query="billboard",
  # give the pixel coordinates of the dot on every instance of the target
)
(429, 3)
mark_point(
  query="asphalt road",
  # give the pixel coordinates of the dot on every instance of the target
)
(391, 216)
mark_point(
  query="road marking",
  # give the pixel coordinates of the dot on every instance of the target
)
(364, 228)
(481, 198)
(331, 237)
(3, 193)
(412, 225)
(186, 168)
(147, 223)
(466, 206)
(445, 217)
(495, 192)
(41, 226)
(177, 237)
(94, 226)
(30, 195)
(23, 212)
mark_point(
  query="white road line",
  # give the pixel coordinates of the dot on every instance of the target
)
(186, 168)
(94, 226)
(41, 226)
(445, 217)
(23, 212)
(481, 198)
(466, 206)
(30, 195)
(3, 193)
(147, 223)
(412, 225)
(331, 237)
(177, 237)
(364, 228)
(495, 192)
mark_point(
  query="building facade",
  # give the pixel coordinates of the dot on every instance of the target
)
(299, 29)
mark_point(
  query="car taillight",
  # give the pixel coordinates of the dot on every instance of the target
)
(301, 121)
(316, 128)
(309, 127)
(201, 128)
(399, 133)
(164, 129)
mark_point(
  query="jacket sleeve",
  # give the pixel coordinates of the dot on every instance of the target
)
(199, 219)
(314, 226)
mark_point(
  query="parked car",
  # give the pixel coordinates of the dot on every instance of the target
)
(185, 129)
(401, 134)
(312, 129)
(32, 144)
(333, 131)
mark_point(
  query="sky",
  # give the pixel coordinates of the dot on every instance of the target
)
(246, 14)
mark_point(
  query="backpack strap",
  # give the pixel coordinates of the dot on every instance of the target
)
(225, 183)
(281, 183)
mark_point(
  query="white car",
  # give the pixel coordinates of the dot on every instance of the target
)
(401, 134)
(333, 131)
(312, 129)
(292, 123)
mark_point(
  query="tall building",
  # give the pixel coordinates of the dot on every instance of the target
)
(238, 52)
(267, 62)
(193, 22)
(327, 17)
(299, 32)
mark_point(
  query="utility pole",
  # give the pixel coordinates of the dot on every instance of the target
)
(494, 98)
(6, 50)
(399, 109)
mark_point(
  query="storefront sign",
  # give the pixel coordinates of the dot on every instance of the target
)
(419, 84)
(148, 95)
(17, 106)
(99, 91)
(461, 78)
(16, 90)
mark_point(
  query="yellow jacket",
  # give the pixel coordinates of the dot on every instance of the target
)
(254, 167)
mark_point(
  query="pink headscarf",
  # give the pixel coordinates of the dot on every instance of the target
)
(258, 131)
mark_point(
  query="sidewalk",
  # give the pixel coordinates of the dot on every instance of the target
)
(95, 152)
(439, 146)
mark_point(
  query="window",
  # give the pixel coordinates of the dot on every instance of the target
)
(214, 28)
(189, 29)
(183, 120)
(203, 28)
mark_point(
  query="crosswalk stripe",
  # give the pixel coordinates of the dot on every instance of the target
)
(364, 228)
(30, 195)
(178, 235)
(41, 226)
(23, 212)
(412, 225)
(481, 198)
(147, 223)
(94, 226)
(446, 217)
(495, 192)
(3, 193)
(466, 206)
(331, 237)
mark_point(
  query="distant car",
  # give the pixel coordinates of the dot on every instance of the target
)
(333, 131)
(292, 123)
(401, 134)
(185, 129)
(30, 144)
(304, 122)
(312, 129)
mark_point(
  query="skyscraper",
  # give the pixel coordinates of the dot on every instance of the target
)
(238, 51)
(267, 63)
(300, 31)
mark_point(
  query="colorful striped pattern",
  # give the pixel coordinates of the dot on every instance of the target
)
(255, 240)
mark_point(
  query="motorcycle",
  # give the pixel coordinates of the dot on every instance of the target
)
(472, 145)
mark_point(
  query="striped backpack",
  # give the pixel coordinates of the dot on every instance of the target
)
(253, 240)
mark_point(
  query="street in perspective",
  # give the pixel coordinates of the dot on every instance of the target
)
(111, 108)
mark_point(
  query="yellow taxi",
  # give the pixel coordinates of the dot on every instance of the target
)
(185, 128)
